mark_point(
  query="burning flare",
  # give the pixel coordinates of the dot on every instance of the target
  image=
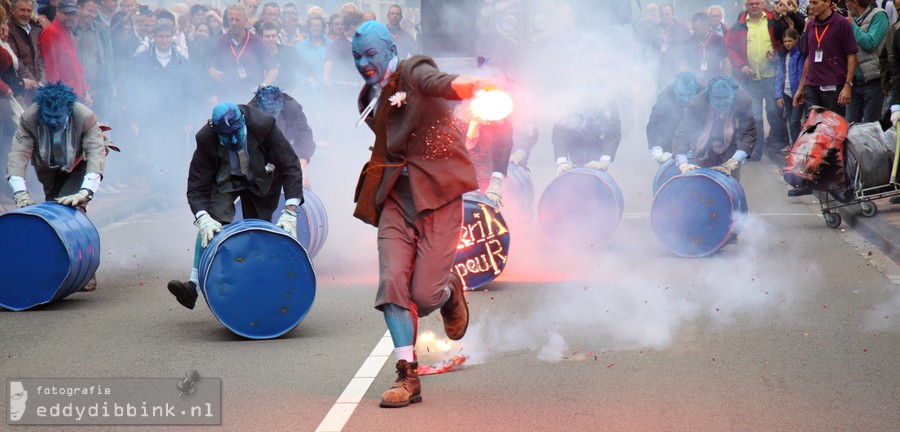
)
(491, 105)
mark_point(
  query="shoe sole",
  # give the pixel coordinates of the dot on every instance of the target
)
(182, 297)
(412, 400)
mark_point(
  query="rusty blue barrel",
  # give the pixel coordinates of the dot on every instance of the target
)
(312, 221)
(666, 171)
(518, 194)
(580, 208)
(49, 252)
(484, 242)
(696, 213)
(257, 280)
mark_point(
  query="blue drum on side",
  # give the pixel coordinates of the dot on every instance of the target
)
(50, 251)
(312, 221)
(581, 207)
(697, 213)
(257, 280)
(484, 242)
(666, 171)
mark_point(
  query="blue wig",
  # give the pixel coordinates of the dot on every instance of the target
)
(268, 99)
(55, 95)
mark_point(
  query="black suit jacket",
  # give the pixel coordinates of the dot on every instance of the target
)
(210, 166)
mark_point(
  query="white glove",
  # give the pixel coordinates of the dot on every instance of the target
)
(685, 167)
(659, 155)
(517, 157)
(208, 228)
(601, 164)
(563, 167)
(288, 222)
(493, 191)
(727, 167)
(23, 200)
(81, 197)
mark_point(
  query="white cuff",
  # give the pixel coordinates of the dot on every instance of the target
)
(292, 201)
(895, 108)
(200, 214)
(605, 158)
(740, 155)
(560, 160)
(497, 174)
(91, 182)
(680, 159)
(656, 152)
(17, 183)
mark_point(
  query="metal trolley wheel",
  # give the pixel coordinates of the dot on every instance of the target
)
(832, 220)
(868, 208)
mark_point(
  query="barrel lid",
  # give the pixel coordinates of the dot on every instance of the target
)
(696, 213)
(257, 280)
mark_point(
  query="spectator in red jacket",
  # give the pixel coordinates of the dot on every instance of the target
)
(59, 52)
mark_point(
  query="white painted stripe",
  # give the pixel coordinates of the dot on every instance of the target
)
(346, 403)
(647, 215)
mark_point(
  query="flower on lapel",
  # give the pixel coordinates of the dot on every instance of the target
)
(398, 99)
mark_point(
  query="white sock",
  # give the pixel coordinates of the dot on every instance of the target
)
(195, 277)
(405, 353)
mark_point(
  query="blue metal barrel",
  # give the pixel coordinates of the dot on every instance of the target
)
(518, 194)
(49, 251)
(312, 221)
(257, 280)
(696, 213)
(484, 242)
(581, 207)
(666, 171)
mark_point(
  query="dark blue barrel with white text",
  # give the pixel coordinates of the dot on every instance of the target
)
(312, 221)
(696, 213)
(484, 242)
(49, 252)
(580, 208)
(257, 280)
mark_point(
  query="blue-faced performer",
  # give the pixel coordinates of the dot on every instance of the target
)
(61, 138)
(412, 189)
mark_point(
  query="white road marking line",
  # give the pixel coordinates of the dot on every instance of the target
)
(647, 215)
(346, 403)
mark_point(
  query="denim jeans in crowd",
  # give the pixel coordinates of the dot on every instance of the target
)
(866, 102)
(793, 115)
(759, 91)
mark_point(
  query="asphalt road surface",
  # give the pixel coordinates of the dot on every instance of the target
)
(795, 328)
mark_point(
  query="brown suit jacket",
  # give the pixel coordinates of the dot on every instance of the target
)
(25, 46)
(422, 136)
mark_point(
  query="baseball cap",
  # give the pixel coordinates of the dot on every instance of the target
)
(67, 6)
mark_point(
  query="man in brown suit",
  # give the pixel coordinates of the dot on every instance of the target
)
(412, 191)
(23, 39)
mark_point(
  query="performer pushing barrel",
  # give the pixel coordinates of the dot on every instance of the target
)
(291, 121)
(412, 189)
(718, 126)
(240, 153)
(62, 140)
(667, 114)
(589, 138)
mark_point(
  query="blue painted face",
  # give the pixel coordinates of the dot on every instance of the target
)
(55, 117)
(234, 140)
(721, 94)
(372, 55)
(230, 125)
(685, 88)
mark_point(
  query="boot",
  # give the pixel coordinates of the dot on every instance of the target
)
(455, 311)
(184, 292)
(91, 285)
(800, 191)
(406, 389)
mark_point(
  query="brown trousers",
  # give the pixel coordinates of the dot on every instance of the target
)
(415, 256)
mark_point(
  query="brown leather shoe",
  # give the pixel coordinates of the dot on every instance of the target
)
(406, 388)
(455, 311)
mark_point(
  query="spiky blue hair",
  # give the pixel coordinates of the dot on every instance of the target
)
(55, 95)
(268, 98)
